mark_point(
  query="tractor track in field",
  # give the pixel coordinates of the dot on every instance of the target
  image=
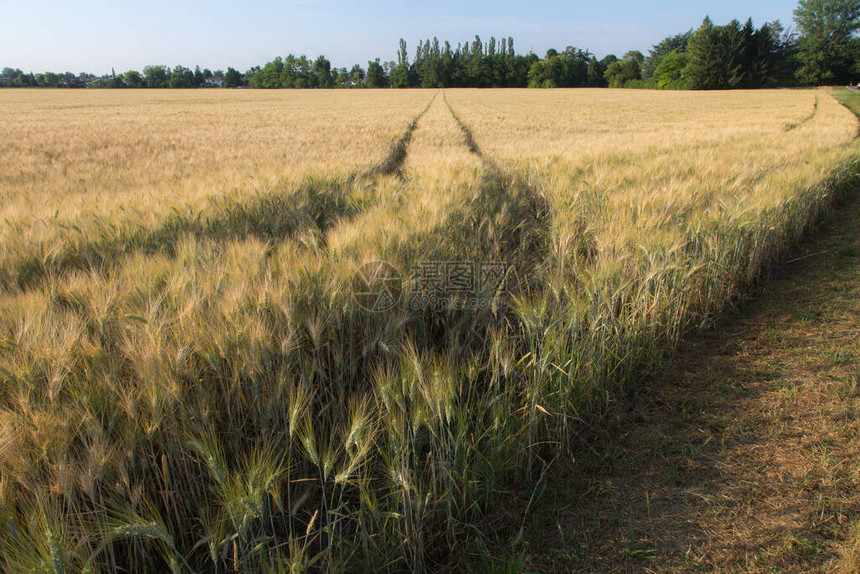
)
(269, 215)
(742, 455)
(526, 237)
(468, 136)
(794, 125)
(393, 164)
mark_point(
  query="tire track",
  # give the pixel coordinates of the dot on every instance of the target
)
(794, 125)
(268, 215)
(520, 213)
(393, 163)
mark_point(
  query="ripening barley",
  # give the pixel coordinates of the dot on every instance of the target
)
(187, 382)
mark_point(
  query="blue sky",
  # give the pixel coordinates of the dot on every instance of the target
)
(96, 35)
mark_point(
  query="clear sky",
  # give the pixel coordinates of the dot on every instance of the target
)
(97, 35)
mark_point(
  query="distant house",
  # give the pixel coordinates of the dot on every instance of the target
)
(215, 81)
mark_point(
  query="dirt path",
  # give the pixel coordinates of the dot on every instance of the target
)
(743, 456)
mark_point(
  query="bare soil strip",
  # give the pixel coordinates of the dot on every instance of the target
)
(743, 456)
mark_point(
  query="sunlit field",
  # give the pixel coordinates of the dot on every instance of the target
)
(88, 167)
(191, 383)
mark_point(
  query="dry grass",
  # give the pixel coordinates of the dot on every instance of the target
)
(668, 206)
(197, 388)
(742, 455)
(661, 160)
(86, 167)
(139, 154)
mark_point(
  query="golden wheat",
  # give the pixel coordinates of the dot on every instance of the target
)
(138, 156)
(203, 392)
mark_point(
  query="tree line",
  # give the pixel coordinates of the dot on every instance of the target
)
(824, 49)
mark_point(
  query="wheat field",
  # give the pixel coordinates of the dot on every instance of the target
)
(190, 383)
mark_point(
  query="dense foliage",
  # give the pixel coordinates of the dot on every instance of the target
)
(734, 55)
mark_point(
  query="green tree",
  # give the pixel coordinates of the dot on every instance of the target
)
(9, 75)
(321, 70)
(825, 51)
(48, 80)
(622, 71)
(156, 76)
(707, 65)
(547, 73)
(764, 54)
(732, 56)
(594, 73)
(376, 77)
(133, 79)
(269, 76)
(401, 74)
(181, 78)
(429, 64)
(300, 72)
(670, 70)
(232, 78)
(357, 75)
(735, 43)
(677, 43)
(110, 81)
(249, 75)
(197, 77)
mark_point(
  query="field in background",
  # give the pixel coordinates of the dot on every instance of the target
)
(188, 380)
(83, 168)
